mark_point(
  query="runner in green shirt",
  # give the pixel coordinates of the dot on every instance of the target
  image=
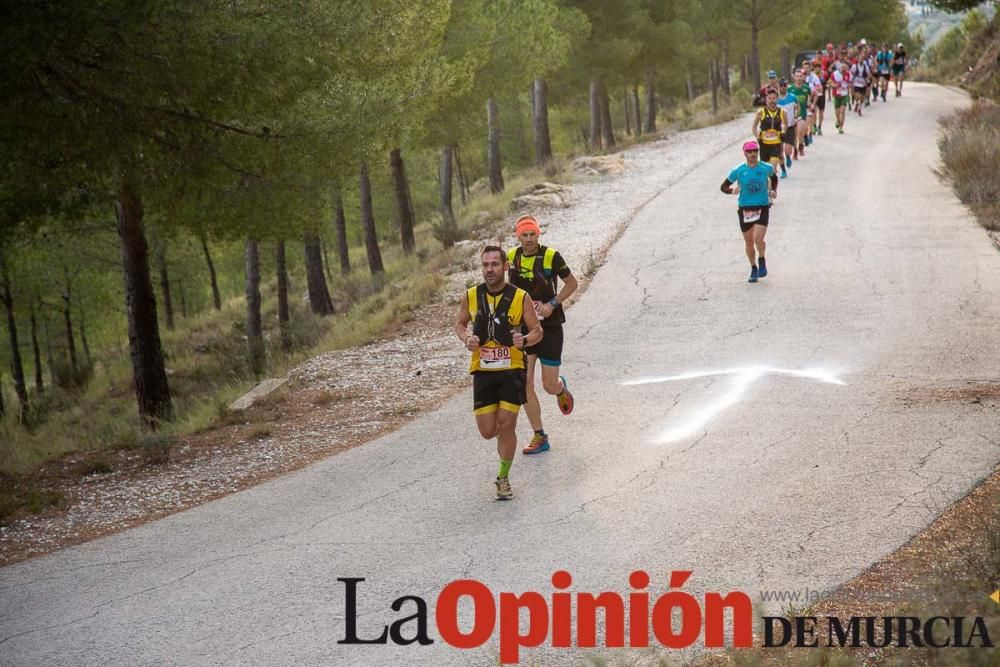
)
(803, 96)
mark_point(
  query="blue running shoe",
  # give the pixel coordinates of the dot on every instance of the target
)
(763, 267)
(788, 160)
(753, 275)
(539, 443)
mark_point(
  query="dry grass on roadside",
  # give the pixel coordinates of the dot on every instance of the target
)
(970, 150)
(950, 569)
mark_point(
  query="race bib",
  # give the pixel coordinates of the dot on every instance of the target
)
(751, 214)
(769, 135)
(493, 358)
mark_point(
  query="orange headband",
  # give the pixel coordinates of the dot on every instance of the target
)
(526, 223)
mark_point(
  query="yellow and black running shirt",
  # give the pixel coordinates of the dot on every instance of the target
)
(492, 355)
(770, 125)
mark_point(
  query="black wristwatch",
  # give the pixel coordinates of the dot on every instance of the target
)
(554, 302)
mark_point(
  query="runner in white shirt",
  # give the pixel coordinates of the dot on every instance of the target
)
(840, 81)
(860, 74)
(816, 86)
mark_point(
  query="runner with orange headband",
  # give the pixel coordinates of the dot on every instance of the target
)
(537, 269)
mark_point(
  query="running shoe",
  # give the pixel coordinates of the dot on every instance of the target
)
(840, 130)
(753, 275)
(504, 492)
(762, 271)
(565, 399)
(788, 160)
(784, 174)
(539, 443)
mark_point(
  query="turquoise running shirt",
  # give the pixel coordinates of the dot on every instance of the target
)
(754, 183)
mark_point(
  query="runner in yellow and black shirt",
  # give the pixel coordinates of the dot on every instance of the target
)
(768, 125)
(498, 313)
(537, 270)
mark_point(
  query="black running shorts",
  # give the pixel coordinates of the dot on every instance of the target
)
(789, 136)
(769, 152)
(549, 349)
(493, 390)
(765, 212)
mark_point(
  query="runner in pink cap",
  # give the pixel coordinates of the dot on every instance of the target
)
(755, 181)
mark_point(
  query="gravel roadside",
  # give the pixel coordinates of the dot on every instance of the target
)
(338, 400)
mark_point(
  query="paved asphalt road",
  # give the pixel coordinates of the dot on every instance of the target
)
(753, 478)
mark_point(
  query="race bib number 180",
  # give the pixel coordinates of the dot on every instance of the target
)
(494, 357)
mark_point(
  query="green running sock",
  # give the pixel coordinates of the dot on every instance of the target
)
(504, 468)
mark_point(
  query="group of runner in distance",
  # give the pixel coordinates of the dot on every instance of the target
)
(516, 313)
(852, 76)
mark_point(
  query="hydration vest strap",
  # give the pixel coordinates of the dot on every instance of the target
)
(495, 327)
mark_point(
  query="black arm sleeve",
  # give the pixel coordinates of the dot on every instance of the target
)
(774, 181)
(725, 187)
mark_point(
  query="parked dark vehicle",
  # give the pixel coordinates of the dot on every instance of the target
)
(803, 56)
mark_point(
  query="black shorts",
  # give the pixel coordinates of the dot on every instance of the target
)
(884, 75)
(549, 349)
(821, 102)
(503, 390)
(765, 213)
(769, 152)
(789, 136)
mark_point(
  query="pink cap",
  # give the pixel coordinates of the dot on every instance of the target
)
(750, 146)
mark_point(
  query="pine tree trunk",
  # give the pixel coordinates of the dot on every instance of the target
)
(183, 294)
(636, 111)
(340, 231)
(68, 322)
(650, 126)
(149, 372)
(255, 329)
(493, 146)
(39, 381)
(48, 351)
(160, 246)
(319, 294)
(713, 75)
(540, 117)
(689, 85)
(404, 205)
(607, 128)
(463, 182)
(745, 70)
(326, 261)
(595, 115)
(283, 315)
(626, 99)
(446, 179)
(726, 89)
(3, 408)
(786, 63)
(16, 367)
(368, 219)
(83, 339)
(754, 56)
(216, 297)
